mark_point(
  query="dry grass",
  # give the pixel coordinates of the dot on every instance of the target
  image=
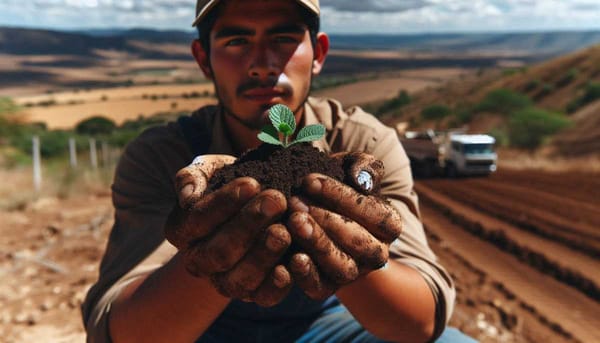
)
(58, 181)
(67, 116)
(116, 93)
(363, 92)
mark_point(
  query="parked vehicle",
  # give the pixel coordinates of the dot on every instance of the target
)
(451, 153)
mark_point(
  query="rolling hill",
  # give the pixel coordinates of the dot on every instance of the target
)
(533, 45)
(568, 85)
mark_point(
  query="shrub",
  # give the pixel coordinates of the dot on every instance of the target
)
(501, 136)
(7, 106)
(569, 77)
(400, 100)
(592, 93)
(97, 125)
(435, 112)
(528, 128)
(532, 85)
(503, 101)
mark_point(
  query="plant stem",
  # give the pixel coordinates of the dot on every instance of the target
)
(286, 140)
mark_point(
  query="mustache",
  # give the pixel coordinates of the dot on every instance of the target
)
(253, 83)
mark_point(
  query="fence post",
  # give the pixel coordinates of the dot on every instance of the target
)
(93, 155)
(104, 154)
(37, 165)
(72, 153)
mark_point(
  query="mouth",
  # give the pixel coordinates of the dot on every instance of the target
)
(263, 94)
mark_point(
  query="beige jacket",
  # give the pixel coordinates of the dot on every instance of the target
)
(144, 194)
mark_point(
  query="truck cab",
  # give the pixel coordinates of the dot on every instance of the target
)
(469, 155)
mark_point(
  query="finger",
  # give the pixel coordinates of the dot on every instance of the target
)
(252, 270)
(222, 250)
(307, 277)
(184, 226)
(191, 181)
(363, 171)
(275, 287)
(368, 252)
(330, 260)
(377, 216)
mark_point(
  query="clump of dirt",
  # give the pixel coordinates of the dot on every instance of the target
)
(280, 168)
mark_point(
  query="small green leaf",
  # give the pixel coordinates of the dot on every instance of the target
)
(310, 133)
(285, 129)
(281, 114)
(269, 135)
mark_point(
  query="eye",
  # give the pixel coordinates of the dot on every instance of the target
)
(236, 42)
(286, 39)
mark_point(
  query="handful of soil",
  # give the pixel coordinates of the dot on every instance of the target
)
(280, 168)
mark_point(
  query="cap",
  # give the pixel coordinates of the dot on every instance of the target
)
(204, 6)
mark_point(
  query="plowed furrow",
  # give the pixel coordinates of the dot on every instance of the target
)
(577, 186)
(520, 214)
(561, 209)
(556, 306)
(549, 257)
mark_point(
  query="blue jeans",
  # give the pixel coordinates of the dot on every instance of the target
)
(297, 319)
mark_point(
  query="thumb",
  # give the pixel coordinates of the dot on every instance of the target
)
(363, 171)
(191, 181)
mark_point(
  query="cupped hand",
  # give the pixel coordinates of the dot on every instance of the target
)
(343, 232)
(231, 235)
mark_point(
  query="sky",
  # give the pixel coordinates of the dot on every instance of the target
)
(338, 16)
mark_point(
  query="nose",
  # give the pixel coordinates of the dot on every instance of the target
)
(263, 63)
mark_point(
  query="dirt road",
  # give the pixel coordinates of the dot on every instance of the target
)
(523, 248)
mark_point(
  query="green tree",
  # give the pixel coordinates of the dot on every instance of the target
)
(97, 125)
(528, 128)
(435, 112)
(503, 101)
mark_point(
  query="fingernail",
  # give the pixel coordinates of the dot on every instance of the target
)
(274, 244)
(245, 192)
(268, 207)
(187, 190)
(303, 266)
(315, 186)
(305, 230)
(297, 205)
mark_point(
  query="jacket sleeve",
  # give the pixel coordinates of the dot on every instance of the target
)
(143, 196)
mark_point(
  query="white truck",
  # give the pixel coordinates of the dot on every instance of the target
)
(451, 153)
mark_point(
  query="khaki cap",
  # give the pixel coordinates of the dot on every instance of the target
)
(204, 6)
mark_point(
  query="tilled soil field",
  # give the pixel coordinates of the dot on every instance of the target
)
(523, 248)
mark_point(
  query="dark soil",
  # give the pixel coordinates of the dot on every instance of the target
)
(280, 168)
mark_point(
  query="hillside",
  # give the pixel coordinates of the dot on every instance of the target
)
(568, 85)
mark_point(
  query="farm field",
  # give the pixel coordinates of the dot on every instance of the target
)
(63, 110)
(524, 249)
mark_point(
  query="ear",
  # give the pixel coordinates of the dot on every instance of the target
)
(202, 59)
(321, 50)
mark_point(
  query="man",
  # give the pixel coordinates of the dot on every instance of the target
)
(222, 279)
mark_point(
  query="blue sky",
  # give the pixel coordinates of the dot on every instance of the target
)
(338, 16)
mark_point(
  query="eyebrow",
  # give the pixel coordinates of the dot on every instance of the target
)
(230, 31)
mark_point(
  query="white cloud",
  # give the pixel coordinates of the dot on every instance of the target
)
(379, 16)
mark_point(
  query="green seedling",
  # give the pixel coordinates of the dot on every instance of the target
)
(284, 125)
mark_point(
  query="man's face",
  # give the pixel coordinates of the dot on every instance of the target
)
(260, 55)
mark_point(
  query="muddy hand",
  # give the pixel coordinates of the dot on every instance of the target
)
(343, 234)
(229, 235)
(363, 171)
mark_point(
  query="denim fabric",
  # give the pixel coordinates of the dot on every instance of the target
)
(297, 319)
